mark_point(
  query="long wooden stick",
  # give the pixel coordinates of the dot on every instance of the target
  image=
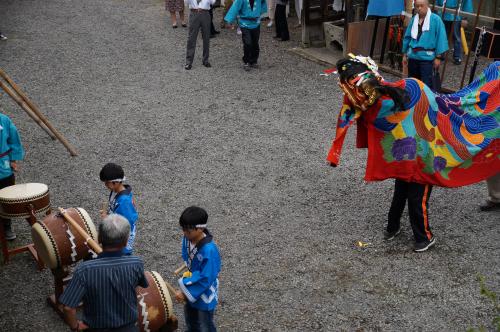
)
(45, 121)
(26, 108)
(170, 288)
(91, 243)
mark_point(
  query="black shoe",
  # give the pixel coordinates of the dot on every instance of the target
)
(246, 67)
(285, 39)
(184, 25)
(388, 236)
(489, 206)
(207, 64)
(423, 246)
(188, 67)
(174, 26)
(457, 61)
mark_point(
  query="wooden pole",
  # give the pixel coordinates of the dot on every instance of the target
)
(26, 108)
(170, 288)
(91, 243)
(451, 34)
(180, 269)
(474, 36)
(47, 123)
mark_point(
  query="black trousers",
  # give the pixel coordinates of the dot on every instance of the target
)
(6, 182)
(417, 196)
(251, 48)
(281, 22)
(212, 27)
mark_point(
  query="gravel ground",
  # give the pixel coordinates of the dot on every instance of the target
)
(251, 149)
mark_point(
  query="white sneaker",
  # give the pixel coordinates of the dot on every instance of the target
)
(2, 37)
(238, 31)
(270, 24)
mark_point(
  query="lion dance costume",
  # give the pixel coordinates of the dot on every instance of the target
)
(417, 135)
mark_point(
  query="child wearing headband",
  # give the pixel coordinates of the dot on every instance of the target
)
(120, 201)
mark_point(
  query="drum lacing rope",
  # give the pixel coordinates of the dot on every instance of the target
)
(22, 200)
(89, 232)
(163, 298)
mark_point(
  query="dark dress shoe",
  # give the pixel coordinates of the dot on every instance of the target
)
(215, 32)
(489, 206)
(188, 67)
(174, 26)
(207, 64)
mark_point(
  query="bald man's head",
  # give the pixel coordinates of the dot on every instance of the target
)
(422, 6)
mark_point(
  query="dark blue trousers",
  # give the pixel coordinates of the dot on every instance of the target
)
(199, 320)
(422, 70)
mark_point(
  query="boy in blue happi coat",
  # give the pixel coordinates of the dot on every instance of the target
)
(249, 12)
(200, 285)
(121, 200)
(11, 151)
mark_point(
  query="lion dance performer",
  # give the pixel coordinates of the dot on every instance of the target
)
(418, 137)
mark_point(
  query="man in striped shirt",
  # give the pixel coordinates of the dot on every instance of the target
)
(106, 285)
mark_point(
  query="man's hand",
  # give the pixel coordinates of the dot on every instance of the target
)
(103, 214)
(437, 63)
(464, 23)
(180, 297)
(14, 166)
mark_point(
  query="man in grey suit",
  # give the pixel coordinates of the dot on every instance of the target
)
(199, 17)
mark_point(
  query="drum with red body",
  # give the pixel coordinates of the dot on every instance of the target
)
(154, 303)
(57, 244)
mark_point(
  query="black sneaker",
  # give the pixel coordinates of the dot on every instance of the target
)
(246, 67)
(423, 246)
(388, 236)
(10, 235)
(489, 206)
(457, 61)
(188, 67)
(207, 64)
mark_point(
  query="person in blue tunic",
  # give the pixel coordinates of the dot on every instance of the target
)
(424, 43)
(449, 15)
(249, 12)
(200, 284)
(11, 151)
(120, 201)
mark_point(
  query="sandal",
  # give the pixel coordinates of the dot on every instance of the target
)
(184, 25)
(174, 26)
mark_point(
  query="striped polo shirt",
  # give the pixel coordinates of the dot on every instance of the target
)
(106, 286)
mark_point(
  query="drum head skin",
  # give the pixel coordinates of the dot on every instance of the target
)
(167, 301)
(23, 191)
(45, 245)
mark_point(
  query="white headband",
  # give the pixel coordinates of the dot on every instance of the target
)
(118, 180)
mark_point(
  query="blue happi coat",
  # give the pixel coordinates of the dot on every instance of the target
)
(123, 204)
(10, 146)
(434, 41)
(203, 261)
(451, 6)
(249, 17)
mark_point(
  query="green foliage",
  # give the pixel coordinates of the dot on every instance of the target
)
(494, 299)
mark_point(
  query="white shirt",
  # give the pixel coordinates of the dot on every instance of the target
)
(199, 4)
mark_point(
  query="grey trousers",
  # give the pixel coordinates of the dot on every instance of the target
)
(493, 184)
(198, 20)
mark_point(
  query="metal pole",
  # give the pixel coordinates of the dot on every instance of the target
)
(468, 55)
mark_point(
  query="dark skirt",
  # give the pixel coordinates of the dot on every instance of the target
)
(174, 5)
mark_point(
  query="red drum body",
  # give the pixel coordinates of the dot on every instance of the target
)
(57, 244)
(154, 303)
(20, 200)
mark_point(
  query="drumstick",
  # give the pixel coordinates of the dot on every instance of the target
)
(180, 269)
(170, 288)
(91, 243)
